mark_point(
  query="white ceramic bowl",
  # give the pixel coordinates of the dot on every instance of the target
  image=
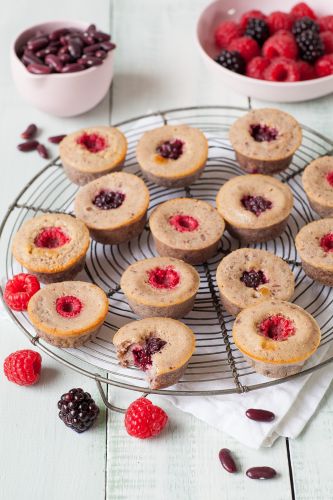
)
(269, 91)
(61, 94)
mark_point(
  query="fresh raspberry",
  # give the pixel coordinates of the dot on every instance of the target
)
(302, 10)
(307, 71)
(326, 242)
(282, 44)
(68, 306)
(144, 420)
(23, 367)
(19, 290)
(326, 23)
(277, 327)
(327, 39)
(247, 47)
(183, 223)
(256, 67)
(249, 15)
(282, 69)
(324, 65)
(166, 277)
(92, 142)
(279, 21)
(51, 237)
(225, 32)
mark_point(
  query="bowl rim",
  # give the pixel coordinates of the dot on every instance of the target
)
(67, 22)
(256, 81)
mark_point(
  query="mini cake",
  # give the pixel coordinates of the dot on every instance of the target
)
(68, 314)
(277, 337)
(52, 246)
(248, 276)
(160, 286)
(186, 229)
(161, 347)
(114, 207)
(255, 207)
(318, 184)
(314, 244)
(265, 140)
(92, 152)
(172, 155)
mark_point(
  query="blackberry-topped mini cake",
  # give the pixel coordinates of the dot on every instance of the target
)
(52, 246)
(248, 276)
(255, 207)
(265, 140)
(187, 229)
(314, 243)
(276, 336)
(160, 286)
(161, 347)
(114, 207)
(318, 184)
(68, 314)
(172, 155)
(92, 152)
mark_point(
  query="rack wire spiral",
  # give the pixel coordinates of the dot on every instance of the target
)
(217, 367)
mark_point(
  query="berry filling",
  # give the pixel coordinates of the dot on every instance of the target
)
(263, 133)
(253, 278)
(142, 353)
(329, 178)
(277, 327)
(165, 278)
(108, 199)
(256, 204)
(94, 143)
(51, 237)
(171, 150)
(326, 242)
(184, 223)
(68, 306)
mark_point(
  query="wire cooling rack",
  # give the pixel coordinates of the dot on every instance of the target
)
(216, 367)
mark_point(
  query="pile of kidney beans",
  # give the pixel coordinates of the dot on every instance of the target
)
(65, 50)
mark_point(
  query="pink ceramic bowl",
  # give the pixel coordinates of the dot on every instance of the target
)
(269, 91)
(59, 94)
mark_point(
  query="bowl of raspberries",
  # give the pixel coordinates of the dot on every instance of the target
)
(268, 53)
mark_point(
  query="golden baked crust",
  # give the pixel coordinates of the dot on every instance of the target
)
(315, 184)
(307, 243)
(50, 260)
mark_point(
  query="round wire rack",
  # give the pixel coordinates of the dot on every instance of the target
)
(216, 367)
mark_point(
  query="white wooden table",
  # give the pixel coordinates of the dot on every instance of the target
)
(157, 67)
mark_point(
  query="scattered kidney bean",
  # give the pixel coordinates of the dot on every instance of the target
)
(29, 132)
(227, 460)
(28, 146)
(73, 68)
(42, 151)
(54, 62)
(261, 473)
(55, 139)
(260, 415)
(39, 69)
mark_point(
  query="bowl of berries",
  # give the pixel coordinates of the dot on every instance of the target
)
(267, 53)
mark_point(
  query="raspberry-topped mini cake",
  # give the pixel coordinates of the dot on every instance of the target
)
(187, 229)
(248, 276)
(318, 184)
(114, 207)
(92, 152)
(314, 244)
(276, 336)
(52, 246)
(161, 347)
(172, 155)
(265, 140)
(160, 286)
(256, 207)
(68, 314)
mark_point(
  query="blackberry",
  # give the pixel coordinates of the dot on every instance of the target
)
(78, 410)
(106, 200)
(310, 46)
(231, 59)
(257, 29)
(256, 204)
(304, 24)
(171, 150)
(253, 278)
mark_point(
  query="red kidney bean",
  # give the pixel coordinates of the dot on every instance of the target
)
(25, 147)
(92, 61)
(37, 43)
(101, 54)
(29, 132)
(65, 58)
(56, 34)
(107, 46)
(64, 40)
(44, 52)
(259, 415)
(261, 473)
(102, 37)
(54, 62)
(91, 28)
(92, 48)
(39, 69)
(55, 139)
(227, 460)
(74, 48)
(63, 50)
(71, 68)
(42, 151)
(30, 58)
